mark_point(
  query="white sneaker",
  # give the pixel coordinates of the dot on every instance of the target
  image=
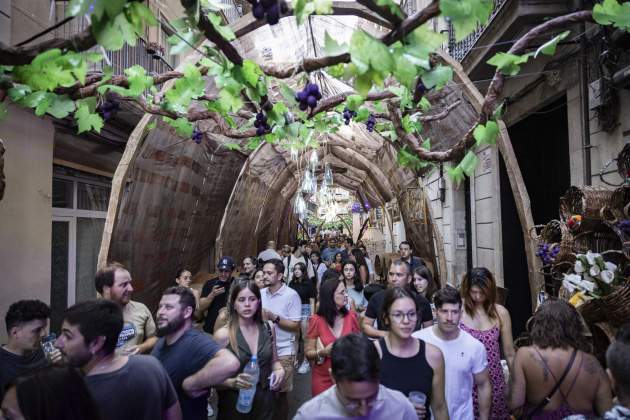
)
(210, 411)
(304, 368)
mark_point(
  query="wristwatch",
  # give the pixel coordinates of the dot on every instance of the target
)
(275, 321)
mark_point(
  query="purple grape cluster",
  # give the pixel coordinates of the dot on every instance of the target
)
(625, 226)
(271, 9)
(370, 123)
(421, 89)
(547, 253)
(262, 127)
(196, 135)
(308, 96)
(108, 108)
(348, 115)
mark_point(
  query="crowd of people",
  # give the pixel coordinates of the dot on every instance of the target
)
(396, 348)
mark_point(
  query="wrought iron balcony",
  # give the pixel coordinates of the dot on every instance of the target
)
(459, 50)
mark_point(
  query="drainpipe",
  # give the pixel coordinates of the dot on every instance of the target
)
(586, 126)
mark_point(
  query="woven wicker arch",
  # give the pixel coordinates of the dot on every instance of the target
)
(178, 204)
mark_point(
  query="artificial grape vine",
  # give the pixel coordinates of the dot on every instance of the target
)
(348, 115)
(547, 253)
(196, 136)
(108, 108)
(262, 127)
(370, 123)
(270, 9)
(308, 96)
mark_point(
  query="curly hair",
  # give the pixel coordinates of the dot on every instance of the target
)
(557, 324)
(24, 311)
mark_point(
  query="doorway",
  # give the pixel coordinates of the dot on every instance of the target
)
(541, 145)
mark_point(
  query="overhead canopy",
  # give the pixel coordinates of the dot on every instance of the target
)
(182, 204)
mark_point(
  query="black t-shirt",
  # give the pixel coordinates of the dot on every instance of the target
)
(140, 390)
(13, 365)
(216, 305)
(376, 304)
(306, 290)
(183, 358)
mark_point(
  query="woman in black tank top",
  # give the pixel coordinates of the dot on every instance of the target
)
(409, 364)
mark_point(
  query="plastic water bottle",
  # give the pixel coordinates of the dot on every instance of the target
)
(48, 346)
(246, 396)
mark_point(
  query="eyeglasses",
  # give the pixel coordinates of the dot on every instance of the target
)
(352, 405)
(398, 317)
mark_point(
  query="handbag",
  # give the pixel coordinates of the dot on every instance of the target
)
(555, 388)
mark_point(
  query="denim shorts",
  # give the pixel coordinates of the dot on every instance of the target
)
(306, 311)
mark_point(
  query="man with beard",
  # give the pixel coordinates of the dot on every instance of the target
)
(123, 387)
(188, 355)
(113, 282)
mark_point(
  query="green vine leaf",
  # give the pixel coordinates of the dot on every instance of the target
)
(251, 72)
(182, 126)
(232, 146)
(353, 102)
(225, 31)
(509, 64)
(78, 7)
(469, 163)
(456, 174)
(438, 77)
(466, 15)
(113, 33)
(611, 12)
(424, 104)
(406, 158)
(138, 82)
(86, 118)
(61, 106)
(393, 7)
(549, 47)
(332, 47)
(486, 134)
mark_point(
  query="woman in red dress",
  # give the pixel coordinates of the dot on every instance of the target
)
(332, 321)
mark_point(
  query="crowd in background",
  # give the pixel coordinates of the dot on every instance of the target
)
(399, 347)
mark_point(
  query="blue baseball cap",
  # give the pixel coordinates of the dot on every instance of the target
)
(226, 262)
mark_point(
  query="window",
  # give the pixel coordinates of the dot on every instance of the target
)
(79, 211)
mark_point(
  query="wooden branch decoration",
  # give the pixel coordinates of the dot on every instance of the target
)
(384, 12)
(304, 229)
(363, 229)
(15, 56)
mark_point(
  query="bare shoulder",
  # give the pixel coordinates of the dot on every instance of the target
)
(502, 311)
(221, 334)
(592, 365)
(434, 355)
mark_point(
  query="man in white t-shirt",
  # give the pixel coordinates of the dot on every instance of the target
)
(282, 306)
(296, 257)
(357, 392)
(465, 360)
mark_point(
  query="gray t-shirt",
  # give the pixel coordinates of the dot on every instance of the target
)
(389, 404)
(139, 390)
(183, 358)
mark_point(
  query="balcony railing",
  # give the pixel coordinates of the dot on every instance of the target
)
(119, 60)
(459, 50)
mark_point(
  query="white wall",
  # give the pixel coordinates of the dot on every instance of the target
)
(26, 210)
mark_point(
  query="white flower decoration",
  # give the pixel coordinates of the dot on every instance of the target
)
(607, 276)
(579, 267)
(587, 285)
(590, 257)
(610, 266)
(594, 271)
(569, 286)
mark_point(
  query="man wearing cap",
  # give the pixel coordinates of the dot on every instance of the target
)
(214, 294)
